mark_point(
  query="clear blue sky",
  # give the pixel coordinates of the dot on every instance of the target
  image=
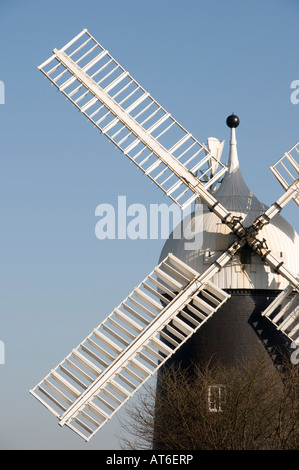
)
(201, 61)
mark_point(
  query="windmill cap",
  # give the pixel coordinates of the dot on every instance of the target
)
(232, 121)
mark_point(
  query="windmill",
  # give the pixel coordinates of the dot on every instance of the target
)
(175, 301)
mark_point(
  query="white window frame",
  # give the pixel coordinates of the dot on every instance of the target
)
(216, 397)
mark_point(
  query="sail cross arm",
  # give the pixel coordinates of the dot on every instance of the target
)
(292, 192)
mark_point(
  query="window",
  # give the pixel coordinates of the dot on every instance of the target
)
(216, 397)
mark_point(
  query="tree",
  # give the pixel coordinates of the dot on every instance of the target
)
(248, 407)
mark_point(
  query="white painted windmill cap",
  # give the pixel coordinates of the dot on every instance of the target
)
(246, 270)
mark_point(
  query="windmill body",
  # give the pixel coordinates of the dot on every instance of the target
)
(247, 250)
(238, 330)
(253, 272)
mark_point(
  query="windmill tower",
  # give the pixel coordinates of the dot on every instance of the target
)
(238, 330)
(185, 292)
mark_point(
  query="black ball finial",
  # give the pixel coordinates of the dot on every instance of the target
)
(233, 121)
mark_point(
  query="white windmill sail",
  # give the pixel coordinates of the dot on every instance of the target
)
(286, 170)
(122, 110)
(283, 312)
(110, 365)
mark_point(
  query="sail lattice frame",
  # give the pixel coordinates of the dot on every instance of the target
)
(124, 351)
(135, 122)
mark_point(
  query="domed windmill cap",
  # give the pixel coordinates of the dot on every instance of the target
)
(233, 192)
(232, 121)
